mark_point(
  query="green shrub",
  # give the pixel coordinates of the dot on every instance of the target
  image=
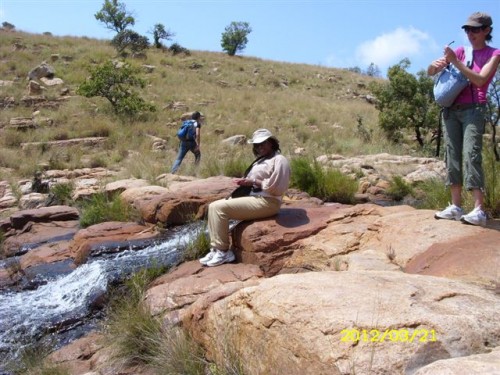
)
(176, 49)
(132, 331)
(329, 185)
(304, 176)
(62, 193)
(130, 327)
(33, 361)
(138, 337)
(433, 194)
(398, 188)
(337, 187)
(100, 208)
(235, 167)
(197, 247)
(116, 84)
(177, 353)
(492, 182)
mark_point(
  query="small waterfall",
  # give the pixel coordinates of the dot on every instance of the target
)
(65, 301)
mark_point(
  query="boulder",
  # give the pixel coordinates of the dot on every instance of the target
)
(268, 243)
(107, 233)
(475, 258)
(42, 70)
(171, 294)
(45, 214)
(478, 364)
(185, 202)
(33, 235)
(309, 323)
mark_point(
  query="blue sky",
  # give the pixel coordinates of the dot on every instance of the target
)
(330, 33)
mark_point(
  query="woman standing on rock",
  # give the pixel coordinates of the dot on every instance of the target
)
(464, 122)
(268, 178)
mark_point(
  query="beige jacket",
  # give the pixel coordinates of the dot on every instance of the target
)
(274, 174)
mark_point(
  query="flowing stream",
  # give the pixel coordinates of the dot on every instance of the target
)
(66, 306)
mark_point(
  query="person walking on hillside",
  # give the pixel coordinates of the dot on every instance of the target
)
(191, 143)
(268, 177)
(464, 122)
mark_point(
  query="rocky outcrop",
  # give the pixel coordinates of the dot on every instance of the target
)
(107, 234)
(479, 364)
(185, 201)
(309, 280)
(304, 324)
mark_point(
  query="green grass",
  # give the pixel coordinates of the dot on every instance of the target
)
(62, 193)
(139, 338)
(399, 188)
(248, 101)
(198, 247)
(33, 361)
(492, 182)
(99, 208)
(433, 194)
(330, 185)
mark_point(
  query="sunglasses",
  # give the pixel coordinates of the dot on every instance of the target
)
(473, 30)
(259, 144)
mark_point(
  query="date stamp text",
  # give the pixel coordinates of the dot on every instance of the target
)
(392, 335)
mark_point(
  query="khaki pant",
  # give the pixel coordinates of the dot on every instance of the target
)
(244, 208)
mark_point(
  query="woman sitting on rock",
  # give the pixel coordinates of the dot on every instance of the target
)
(269, 177)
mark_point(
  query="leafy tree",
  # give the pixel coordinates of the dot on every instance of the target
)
(354, 69)
(114, 15)
(159, 33)
(234, 37)
(405, 102)
(129, 40)
(116, 84)
(373, 70)
(8, 26)
(176, 48)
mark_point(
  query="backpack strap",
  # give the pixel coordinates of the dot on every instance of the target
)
(469, 56)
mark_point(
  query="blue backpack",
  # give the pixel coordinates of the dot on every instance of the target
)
(187, 131)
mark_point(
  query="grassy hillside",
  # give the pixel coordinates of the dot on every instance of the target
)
(315, 108)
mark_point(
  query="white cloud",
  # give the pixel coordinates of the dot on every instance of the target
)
(389, 49)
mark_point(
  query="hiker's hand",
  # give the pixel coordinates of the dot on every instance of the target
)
(243, 181)
(450, 55)
(437, 66)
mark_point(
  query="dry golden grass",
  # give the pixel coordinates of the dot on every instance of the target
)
(306, 106)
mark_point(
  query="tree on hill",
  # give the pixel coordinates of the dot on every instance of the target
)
(405, 102)
(129, 40)
(234, 37)
(373, 70)
(116, 83)
(114, 15)
(159, 32)
(8, 26)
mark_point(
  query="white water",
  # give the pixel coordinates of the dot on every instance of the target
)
(26, 316)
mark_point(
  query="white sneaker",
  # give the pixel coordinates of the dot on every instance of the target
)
(221, 257)
(451, 212)
(207, 258)
(475, 217)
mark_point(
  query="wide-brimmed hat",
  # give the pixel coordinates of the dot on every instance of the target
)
(478, 19)
(261, 135)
